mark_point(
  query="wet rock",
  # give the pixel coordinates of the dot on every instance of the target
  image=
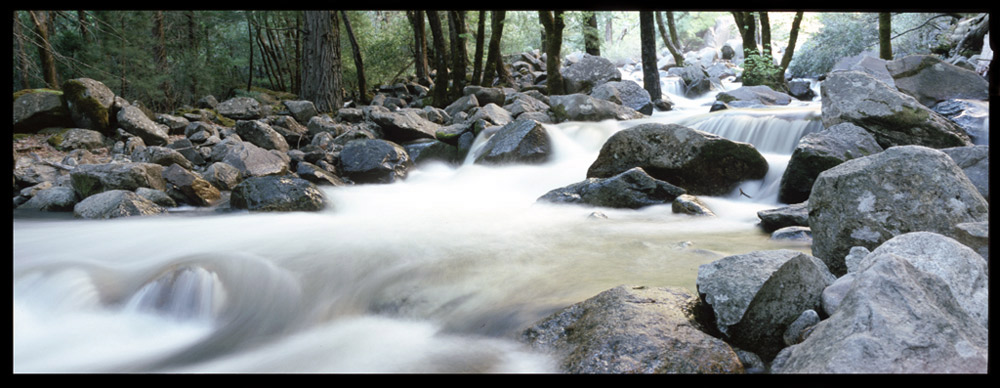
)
(317, 175)
(277, 194)
(975, 163)
(587, 73)
(631, 189)
(701, 163)
(801, 89)
(520, 141)
(971, 115)
(424, 151)
(892, 117)
(866, 201)
(793, 233)
(196, 190)
(56, 199)
(581, 107)
(374, 161)
(931, 80)
(115, 204)
(631, 329)
(626, 93)
(90, 179)
(791, 215)
(690, 205)
(820, 151)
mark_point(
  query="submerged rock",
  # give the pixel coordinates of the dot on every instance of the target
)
(374, 161)
(631, 189)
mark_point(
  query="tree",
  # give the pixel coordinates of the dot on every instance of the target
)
(459, 54)
(670, 38)
(358, 63)
(553, 24)
(765, 34)
(477, 64)
(419, 44)
(793, 35)
(321, 81)
(440, 93)
(41, 21)
(747, 27)
(160, 57)
(885, 35)
(494, 61)
(22, 56)
(591, 36)
(650, 73)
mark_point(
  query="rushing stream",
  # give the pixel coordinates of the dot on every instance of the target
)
(438, 273)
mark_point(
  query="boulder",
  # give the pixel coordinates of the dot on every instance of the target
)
(404, 125)
(700, 162)
(975, 235)
(163, 156)
(793, 233)
(317, 174)
(587, 73)
(277, 194)
(868, 63)
(753, 96)
(491, 113)
(56, 199)
(195, 190)
(486, 95)
(115, 204)
(866, 201)
(631, 189)
(463, 104)
(423, 151)
(975, 163)
(374, 161)
(581, 107)
(820, 151)
(222, 175)
(90, 104)
(301, 110)
(931, 80)
(895, 319)
(201, 131)
(626, 93)
(791, 215)
(631, 329)
(835, 292)
(158, 197)
(690, 205)
(971, 115)
(801, 89)
(525, 103)
(261, 134)
(90, 179)
(520, 141)
(38, 109)
(240, 108)
(251, 160)
(134, 121)
(189, 151)
(892, 117)
(78, 138)
(295, 134)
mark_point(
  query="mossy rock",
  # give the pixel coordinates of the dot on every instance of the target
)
(89, 103)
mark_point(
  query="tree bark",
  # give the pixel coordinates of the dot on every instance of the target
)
(494, 61)
(553, 24)
(459, 53)
(765, 34)
(885, 35)
(672, 27)
(421, 68)
(160, 57)
(321, 81)
(477, 64)
(747, 27)
(250, 39)
(440, 93)
(49, 74)
(358, 63)
(664, 34)
(647, 37)
(591, 36)
(22, 56)
(793, 35)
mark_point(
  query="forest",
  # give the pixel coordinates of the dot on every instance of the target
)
(167, 59)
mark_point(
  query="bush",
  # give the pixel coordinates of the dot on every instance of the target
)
(760, 69)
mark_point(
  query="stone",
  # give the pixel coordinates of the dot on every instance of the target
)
(788, 216)
(158, 197)
(261, 134)
(134, 121)
(793, 233)
(975, 163)
(404, 125)
(374, 161)
(970, 115)
(931, 80)
(587, 73)
(491, 113)
(520, 141)
(800, 328)
(90, 179)
(525, 103)
(317, 175)
(175, 124)
(630, 329)
(249, 159)
(39, 109)
(820, 151)
(78, 138)
(463, 104)
(277, 194)
(90, 104)
(975, 235)
(699, 162)
(115, 204)
(631, 189)
(581, 107)
(866, 201)
(486, 95)
(222, 175)
(753, 96)
(690, 205)
(200, 131)
(57, 199)
(801, 89)
(627, 93)
(868, 63)
(835, 292)
(301, 110)
(423, 151)
(892, 117)
(188, 150)
(196, 190)
(240, 108)
(163, 156)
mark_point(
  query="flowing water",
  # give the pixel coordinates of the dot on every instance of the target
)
(435, 274)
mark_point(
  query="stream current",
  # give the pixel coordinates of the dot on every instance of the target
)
(438, 273)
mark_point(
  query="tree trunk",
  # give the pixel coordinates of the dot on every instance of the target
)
(419, 44)
(477, 63)
(321, 82)
(459, 54)
(440, 92)
(674, 51)
(81, 21)
(358, 63)
(494, 61)
(609, 30)
(22, 56)
(553, 24)
(786, 58)
(650, 74)
(591, 36)
(885, 35)
(747, 26)
(672, 27)
(160, 57)
(250, 38)
(49, 74)
(765, 34)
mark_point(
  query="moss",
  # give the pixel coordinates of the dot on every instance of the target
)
(21, 136)
(22, 92)
(725, 97)
(91, 109)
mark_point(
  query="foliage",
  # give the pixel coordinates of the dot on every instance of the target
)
(760, 69)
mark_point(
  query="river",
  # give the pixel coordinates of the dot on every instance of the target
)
(435, 274)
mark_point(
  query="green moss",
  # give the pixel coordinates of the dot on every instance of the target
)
(21, 136)
(22, 92)
(724, 97)
(89, 107)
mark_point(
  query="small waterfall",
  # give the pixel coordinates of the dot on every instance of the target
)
(770, 130)
(189, 292)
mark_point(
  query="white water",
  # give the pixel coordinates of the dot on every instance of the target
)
(437, 274)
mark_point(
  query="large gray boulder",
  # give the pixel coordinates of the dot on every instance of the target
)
(590, 71)
(975, 162)
(194, 189)
(115, 204)
(490, 113)
(581, 107)
(251, 160)
(520, 141)
(971, 115)
(277, 194)
(792, 215)
(631, 189)
(427, 150)
(58, 199)
(90, 104)
(820, 151)
(895, 319)
(525, 103)
(78, 138)
(240, 108)
(868, 63)
(261, 134)
(700, 162)
(626, 93)
(630, 329)
(931, 80)
(404, 125)
(374, 161)
(90, 179)
(38, 109)
(163, 156)
(866, 201)
(753, 96)
(892, 117)
(301, 110)
(134, 121)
